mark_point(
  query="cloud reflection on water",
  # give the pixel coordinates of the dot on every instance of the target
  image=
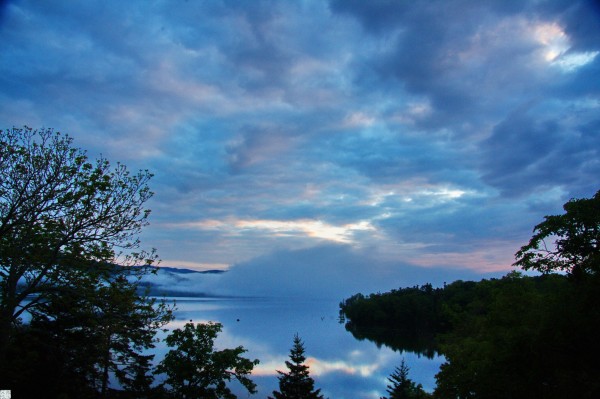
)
(341, 366)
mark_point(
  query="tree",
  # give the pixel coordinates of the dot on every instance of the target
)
(576, 235)
(575, 321)
(89, 335)
(68, 246)
(62, 219)
(297, 383)
(403, 387)
(194, 369)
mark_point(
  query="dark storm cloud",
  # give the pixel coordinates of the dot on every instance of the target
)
(466, 58)
(525, 154)
(581, 20)
(421, 41)
(249, 42)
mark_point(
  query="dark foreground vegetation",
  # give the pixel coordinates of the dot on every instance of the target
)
(73, 323)
(513, 337)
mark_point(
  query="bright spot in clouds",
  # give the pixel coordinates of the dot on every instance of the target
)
(359, 119)
(554, 40)
(320, 367)
(556, 48)
(317, 367)
(309, 228)
(570, 62)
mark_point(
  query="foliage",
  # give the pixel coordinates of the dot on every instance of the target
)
(119, 322)
(406, 318)
(402, 387)
(576, 234)
(68, 243)
(505, 343)
(59, 215)
(297, 383)
(512, 337)
(194, 369)
(87, 336)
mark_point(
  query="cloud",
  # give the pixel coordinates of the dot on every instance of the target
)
(424, 131)
(580, 19)
(545, 151)
(256, 144)
(466, 60)
(329, 271)
(309, 228)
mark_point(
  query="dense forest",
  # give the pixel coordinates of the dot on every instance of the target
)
(514, 337)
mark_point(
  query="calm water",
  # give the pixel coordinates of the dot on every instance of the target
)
(341, 366)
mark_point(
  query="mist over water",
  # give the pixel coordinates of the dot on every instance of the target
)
(339, 272)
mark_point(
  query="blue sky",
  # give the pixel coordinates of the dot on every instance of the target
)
(350, 139)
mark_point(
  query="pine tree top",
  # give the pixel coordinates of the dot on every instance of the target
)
(297, 383)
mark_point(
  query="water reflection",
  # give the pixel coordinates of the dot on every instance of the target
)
(342, 366)
(398, 340)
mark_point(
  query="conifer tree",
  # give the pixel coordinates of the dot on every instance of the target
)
(403, 387)
(297, 383)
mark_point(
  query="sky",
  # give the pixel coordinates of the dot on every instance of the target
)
(345, 140)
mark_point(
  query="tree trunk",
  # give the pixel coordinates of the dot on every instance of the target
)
(6, 336)
(105, 369)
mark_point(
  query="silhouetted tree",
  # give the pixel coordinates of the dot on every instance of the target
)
(68, 246)
(194, 369)
(576, 246)
(93, 334)
(62, 218)
(297, 383)
(403, 387)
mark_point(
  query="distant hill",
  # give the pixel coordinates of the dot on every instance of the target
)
(187, 271)
(174, 281)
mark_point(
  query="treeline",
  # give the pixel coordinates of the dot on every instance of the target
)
(406, 318)
(512, 337)
(504, 337)
(414, 318)
(528, 338)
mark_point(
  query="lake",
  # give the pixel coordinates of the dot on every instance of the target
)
(341, 366)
